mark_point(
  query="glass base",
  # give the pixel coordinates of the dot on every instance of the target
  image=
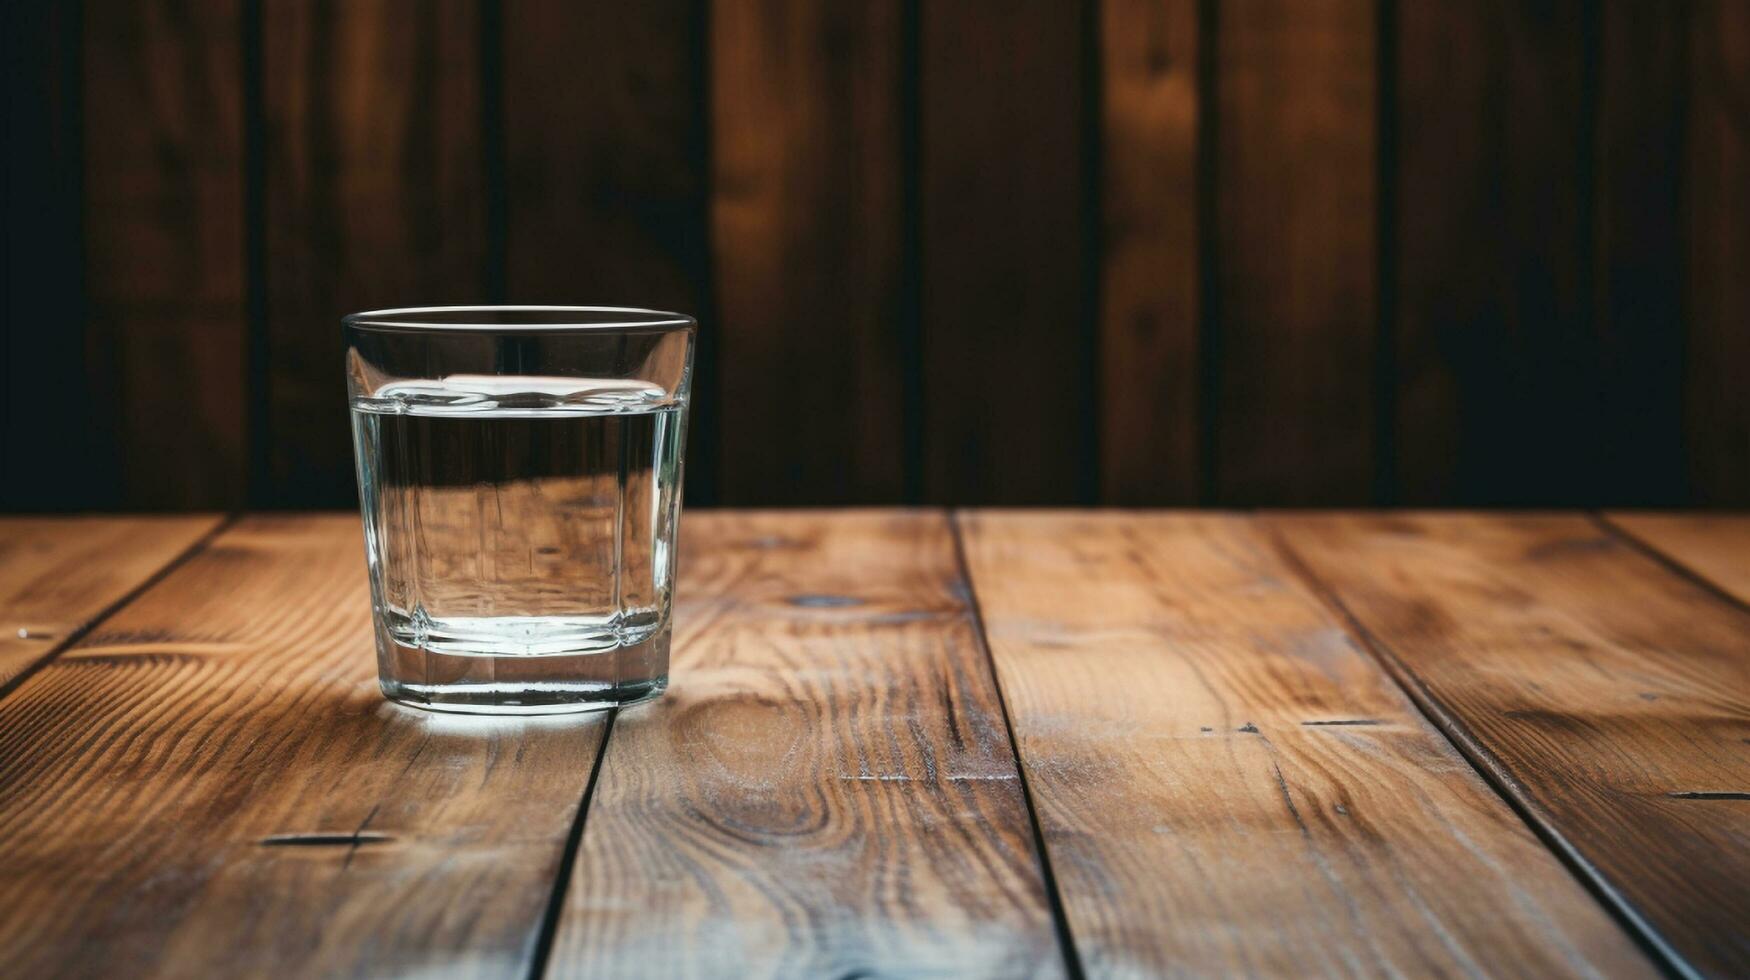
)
(546, 684)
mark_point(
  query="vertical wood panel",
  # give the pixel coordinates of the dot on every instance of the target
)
(1497, 366)
(1295, 250)
(906, 239)
(808, 198)
(1718, 403)
(1007, 359)
(605, 161)
(42, 330)
(373, 198)
(1149, 393)
(1636, 429)
(164, 245)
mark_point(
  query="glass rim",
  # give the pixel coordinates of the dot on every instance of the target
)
(518, 319)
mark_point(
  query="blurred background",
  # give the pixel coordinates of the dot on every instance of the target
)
(1174, 252)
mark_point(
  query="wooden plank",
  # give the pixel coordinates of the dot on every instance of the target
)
(606, 187)
(1608, 697)
(1150, 431)
(1008, 372)
(1716, 546)
(58, 575)
(373, 199)
(164, 243)
(808, 219)
(1634, 420)
(211, 785)
(1295, 250)
(1227, 785)
(1717, 430)
(1497, 390)
(827, 790)
(42, 310)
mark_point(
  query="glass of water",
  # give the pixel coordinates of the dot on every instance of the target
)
(519, 473)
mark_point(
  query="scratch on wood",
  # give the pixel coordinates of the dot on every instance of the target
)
(1248, 728)
(356, 839)
(901, 618)
(1707, 795)
(771, 542)
(1344, 721)
(1288, 798)
(812, 601)
(323, 840)
(903, 778)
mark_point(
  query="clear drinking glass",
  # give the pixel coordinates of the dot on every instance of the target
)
(519, 473)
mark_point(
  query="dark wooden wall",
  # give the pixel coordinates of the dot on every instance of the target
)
(1002, 251)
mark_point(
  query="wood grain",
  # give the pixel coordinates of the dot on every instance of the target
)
(606, 153)
(1295, 261)
(1717, 212)
(1004, 224)
(164, 244)
(1227, 785)
(1150, 261)
(828, 789)
(1715, 546)
(59, 574)
(211, 785)
(1607, 696)
(373, 199)
(808, 222)
(1497, 377)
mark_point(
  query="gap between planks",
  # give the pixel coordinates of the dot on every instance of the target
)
(1059, 916)
(568, 858)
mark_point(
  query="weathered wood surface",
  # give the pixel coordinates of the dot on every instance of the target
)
(1227, 785)
(1714, 546)
(59, 574)
(828, 788)
(1608, 696)
(210, 784)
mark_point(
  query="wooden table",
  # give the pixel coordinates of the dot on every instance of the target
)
(904, 743)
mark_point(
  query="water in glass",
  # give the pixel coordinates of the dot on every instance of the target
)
(520, 534)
